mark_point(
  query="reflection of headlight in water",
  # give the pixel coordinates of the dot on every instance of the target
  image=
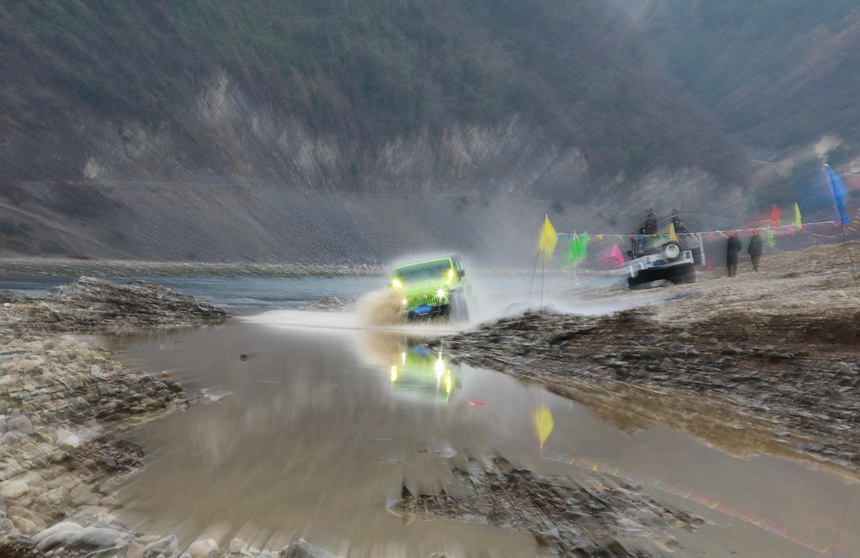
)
(448, 382)
(439, 368)
(393, 374)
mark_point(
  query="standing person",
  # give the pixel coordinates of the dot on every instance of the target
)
(650, 226)
(733, 248)
(755, 248)
(678, 223)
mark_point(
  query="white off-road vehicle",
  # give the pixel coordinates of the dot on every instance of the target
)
(653, 258)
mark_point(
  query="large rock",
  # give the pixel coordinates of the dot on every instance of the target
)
(13, 488)
(203, 549)
(90, 304)
(303, 549)
(87, 539)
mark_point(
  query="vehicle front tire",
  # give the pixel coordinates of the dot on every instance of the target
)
(458, 309)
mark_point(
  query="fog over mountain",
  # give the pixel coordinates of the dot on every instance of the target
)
(336, 131)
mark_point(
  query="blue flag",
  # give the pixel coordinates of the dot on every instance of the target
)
(839, 190)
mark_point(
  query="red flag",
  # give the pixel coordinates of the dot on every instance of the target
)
(774, 220)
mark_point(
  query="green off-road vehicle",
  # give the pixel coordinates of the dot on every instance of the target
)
(432, 288)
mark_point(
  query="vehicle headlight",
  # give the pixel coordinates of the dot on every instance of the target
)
(441, 293)
(395, 283)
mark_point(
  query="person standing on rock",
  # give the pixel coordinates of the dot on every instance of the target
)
(733, 249)
(755, 248)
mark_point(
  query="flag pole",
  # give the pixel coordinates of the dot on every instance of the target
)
(542, 274)
(534, 272)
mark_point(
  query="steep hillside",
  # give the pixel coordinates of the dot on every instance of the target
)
(126, 125)
(777, 74)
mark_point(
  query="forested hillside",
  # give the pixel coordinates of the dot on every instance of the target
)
(362, 71)
(104, 100)
(777, 74)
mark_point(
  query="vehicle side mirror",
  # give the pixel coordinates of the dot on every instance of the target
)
(461, 273)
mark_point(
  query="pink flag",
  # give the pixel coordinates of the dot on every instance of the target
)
(616, 255)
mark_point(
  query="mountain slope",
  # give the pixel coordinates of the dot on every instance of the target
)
(104, 101)
(777, 74)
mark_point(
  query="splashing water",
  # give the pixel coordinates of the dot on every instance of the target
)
(379, 308)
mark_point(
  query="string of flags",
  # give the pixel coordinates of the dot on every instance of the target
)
(577, 248)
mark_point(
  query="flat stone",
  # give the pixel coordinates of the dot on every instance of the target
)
(19, 423)
(87, 538)
(14, 488)
(203, 549)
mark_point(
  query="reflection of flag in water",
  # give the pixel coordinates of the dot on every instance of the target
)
(548, 239)
(543, 423)
(798, 223)
(839, 190)
(774, 218)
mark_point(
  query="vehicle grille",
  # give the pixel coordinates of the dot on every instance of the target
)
(421, 300)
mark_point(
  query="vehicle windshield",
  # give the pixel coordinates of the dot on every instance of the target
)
(423, 271)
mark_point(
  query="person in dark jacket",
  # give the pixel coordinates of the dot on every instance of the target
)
(678, 223)
(755, 248)
(733, 248)
(650, 225)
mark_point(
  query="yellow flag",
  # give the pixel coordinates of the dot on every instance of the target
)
(798, 224)
(672, 235)
(543, 423)
(548, 239)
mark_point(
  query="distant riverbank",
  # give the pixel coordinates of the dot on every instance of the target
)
(67, 267)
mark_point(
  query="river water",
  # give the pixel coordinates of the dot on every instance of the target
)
(314, 423)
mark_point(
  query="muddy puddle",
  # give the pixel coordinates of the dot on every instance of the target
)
(311, 432)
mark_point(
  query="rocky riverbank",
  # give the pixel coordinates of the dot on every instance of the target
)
(762, 363)
(71, 267)
(64, 407)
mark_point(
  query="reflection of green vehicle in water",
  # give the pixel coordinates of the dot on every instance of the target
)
(425, 374)
(432, 288)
